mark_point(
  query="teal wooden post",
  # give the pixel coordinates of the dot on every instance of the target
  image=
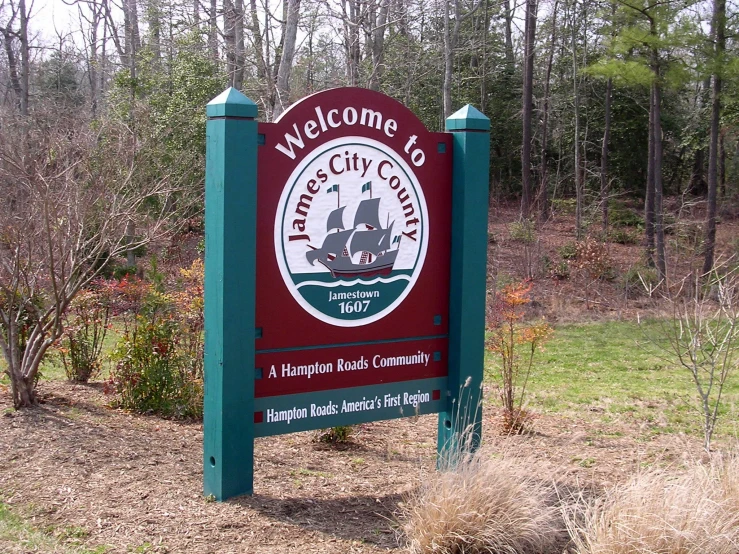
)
(230, 275)
(460, 426)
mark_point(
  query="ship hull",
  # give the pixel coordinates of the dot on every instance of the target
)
(342, 267)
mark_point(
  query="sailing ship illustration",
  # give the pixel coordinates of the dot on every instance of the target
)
(367, 236)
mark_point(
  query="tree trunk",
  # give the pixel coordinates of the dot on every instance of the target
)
(263, 73)
(659, 230)
(719, 22)
(448, 63)
(543, 170)
(378, 44)
(233, 34)
(153, 14)
(508, 35)
(15, 82)
(697, 183)
(649, 197)
(722, 165)
(351, 40)
(93, 63)
(528, 93)
(290, 31)
(25, 57)
(604, 157)
(578, 161)
(213, 31)
(130, 238)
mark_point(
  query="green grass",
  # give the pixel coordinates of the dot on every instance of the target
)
(615, 371)
(21, 536)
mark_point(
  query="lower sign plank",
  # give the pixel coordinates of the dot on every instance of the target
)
(319, 410)
(312, 370)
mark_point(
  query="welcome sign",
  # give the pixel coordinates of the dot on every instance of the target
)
(329, 270)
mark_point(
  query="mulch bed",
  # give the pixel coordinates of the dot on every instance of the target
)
(135, 482)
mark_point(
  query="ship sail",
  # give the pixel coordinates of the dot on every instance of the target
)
(333, 244)
(368, 241)
(336, 219)
(385, 242)
(368, 213)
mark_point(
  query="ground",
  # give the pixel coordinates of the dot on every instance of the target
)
(95, 476)
(96, 479)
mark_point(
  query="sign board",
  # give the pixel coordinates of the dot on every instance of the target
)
(331, 242)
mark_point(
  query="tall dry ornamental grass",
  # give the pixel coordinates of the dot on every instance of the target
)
(481, 505)
(662, 513)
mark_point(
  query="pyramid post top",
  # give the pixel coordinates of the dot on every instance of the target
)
(468, 118)
(231, 103)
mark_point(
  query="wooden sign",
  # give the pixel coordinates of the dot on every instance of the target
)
(332, 295)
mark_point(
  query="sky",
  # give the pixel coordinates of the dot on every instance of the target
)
(48, 15)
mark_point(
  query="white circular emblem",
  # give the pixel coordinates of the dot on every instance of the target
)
(351, 231)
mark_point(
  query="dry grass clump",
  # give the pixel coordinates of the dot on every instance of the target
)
(482, 505)
(696, 512)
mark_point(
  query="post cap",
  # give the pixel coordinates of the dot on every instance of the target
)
(231, 103)
(468, 118)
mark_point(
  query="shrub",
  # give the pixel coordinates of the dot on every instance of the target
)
(639, 279)
(189, 302)
(593, 258)
(122, 271)
(523, 231)
(564, 206)
(623, 236)
(146, 374)
(515, 344)
(657, 512)
(336, 435)
(561, 271)
(158, 361)
(85, 329)
(481, 505)
(619, 215)
(689, 236)
(568, 251)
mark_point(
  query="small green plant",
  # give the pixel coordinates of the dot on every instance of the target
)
(515, 344)
(523, 231)
(85, 329)
(568, 251)
(337, 435)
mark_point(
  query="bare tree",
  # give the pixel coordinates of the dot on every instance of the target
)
(64, 204)
(701, 334)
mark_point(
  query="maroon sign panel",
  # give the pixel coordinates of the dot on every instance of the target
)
(353, 245)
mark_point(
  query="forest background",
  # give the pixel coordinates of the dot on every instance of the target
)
(592, 104)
